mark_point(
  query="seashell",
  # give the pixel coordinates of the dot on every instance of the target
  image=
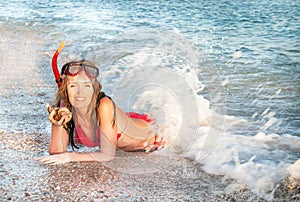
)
(57, 113)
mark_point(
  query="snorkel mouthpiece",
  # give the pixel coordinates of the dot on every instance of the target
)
(54, 64)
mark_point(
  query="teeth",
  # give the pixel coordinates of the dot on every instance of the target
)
(80, 99)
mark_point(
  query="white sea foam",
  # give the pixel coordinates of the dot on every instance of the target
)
(294, 169)
(158, 82)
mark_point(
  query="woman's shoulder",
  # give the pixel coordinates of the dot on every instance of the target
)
(106, 101)
(106, 105)
(103, 99)
(106, 111)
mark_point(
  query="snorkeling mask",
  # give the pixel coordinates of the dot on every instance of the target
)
(72, 68)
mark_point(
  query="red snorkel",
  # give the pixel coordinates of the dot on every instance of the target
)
(54, 64)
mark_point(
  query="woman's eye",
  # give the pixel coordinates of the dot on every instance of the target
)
(72, 85)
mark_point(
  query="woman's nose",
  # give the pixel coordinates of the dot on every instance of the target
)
(79, 90)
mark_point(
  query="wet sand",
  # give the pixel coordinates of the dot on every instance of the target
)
(159, 179)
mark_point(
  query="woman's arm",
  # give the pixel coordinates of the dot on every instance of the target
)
(59, 140)
(108, 136)
(108, 140)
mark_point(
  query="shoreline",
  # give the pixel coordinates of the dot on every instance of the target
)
(23, 178)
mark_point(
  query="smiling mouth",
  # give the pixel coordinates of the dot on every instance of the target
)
(80, 99)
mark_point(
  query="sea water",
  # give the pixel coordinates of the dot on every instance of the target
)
(221, 78)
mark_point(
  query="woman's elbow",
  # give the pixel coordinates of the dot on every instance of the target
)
(110, 157)
(101, 157)
(52, 151)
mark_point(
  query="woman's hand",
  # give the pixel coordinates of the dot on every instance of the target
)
(59, 116)
(55, 159)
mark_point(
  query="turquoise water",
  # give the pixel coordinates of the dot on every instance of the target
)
(247, 63)
(266, 32)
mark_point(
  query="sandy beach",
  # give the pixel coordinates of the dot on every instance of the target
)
(24, 179)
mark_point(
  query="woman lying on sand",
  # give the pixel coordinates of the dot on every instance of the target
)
(85, 115)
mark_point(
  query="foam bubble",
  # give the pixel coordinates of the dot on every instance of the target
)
(294, 169)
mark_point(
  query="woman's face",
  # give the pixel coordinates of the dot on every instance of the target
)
(80, 90)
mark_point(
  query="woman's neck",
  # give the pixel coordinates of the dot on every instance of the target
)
(83, 115)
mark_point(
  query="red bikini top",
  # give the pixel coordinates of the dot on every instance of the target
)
(81, 137)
